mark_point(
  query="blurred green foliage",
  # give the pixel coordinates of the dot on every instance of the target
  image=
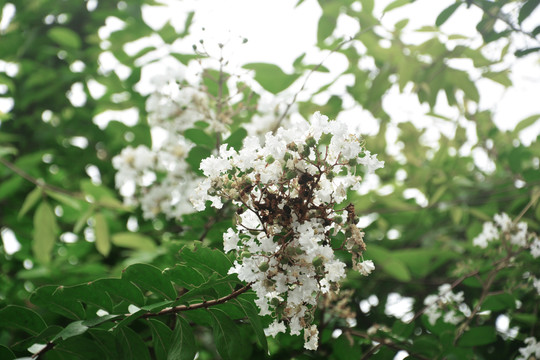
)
(51, 288)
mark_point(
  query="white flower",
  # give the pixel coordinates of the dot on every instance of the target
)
(230, 240)
(371, 162)
(311, 338)
(536, 284)
(503, 220)
(275, 328)
(446, 303)
(535, 248)
(366, 267)
(532, 348)
(335, 270)
(489, 233)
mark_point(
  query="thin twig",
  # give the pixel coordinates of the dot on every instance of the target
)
(51, 188)
(174, 310)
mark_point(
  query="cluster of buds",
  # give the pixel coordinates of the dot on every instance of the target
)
(289, 222)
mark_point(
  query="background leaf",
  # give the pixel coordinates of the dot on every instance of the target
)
(182, 342)
(45, 232)
(271, 77)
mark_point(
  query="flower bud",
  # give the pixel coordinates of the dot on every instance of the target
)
(292, 146)
(317, 261)
(291, 175)
(310, 141)
(264, 266)
(270, 159)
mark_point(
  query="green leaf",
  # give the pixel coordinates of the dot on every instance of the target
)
(501, 77)
(161, 338)
(345, 349)
(120, 288)
(182, 342)
(478, 336)
(82, 220)
(104, 340)
(65, 199)
(99, 320)
(45, 231)
(195, 156)
(395, 4)
(206, 259)
(226, 335)
(438, 194)
(64, 37)
(446, 13)
(73, 329)
(326, 26)
(18, 317)
(185, 58)
(401, 24)
(7, 150)
(499, 302)
(528, 121)
(130, 345)
(103, 242)
(527, 9)
(168, 33)
(134, 241)
(524, 52)
(10, 186)
(389, 264)
(236, 139)
(90, 294)
(251, 312)
(6, 354)
(30, 200)
(52, 298)
(529, 319)
(271, 77)
(185, 276)
(149, 278)
(202, 293)
(200, 137)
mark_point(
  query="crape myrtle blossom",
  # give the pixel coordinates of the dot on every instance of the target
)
(530, 351)
(447, 304)
(515, 234)
(156, 179)
(288, 223)
(159, 178)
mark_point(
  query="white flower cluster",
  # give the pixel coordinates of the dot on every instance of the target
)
(176, 106)
(530, 351)
(287, 224)
(156, 179)
(516, 233)
(448, 304)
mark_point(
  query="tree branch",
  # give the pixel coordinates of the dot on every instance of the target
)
(203, 305)
(51, 188)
